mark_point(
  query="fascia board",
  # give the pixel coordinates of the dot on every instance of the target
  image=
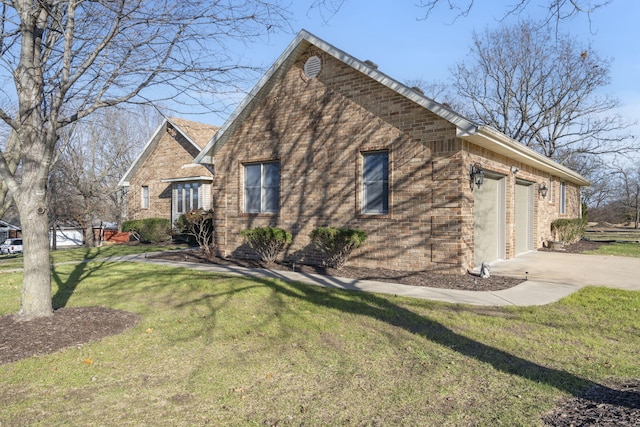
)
(302, 41)
(188, 179)
(498, 142)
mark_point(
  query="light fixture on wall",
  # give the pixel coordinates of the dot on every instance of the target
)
(542, 189)
(514, 170)
(476, 173)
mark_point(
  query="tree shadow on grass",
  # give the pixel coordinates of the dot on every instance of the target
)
(81, 271)
(380, 308)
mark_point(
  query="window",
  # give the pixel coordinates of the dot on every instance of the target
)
(375, 183)
(551, 195)
(262, 187)
(563, 198)
(187, 197)
(145, 197)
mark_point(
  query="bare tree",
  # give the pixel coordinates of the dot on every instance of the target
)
(69, 58)
(628, 192)
(84, 181)
(438, 91)
(557, 10)
(11, 157)
(541, 90)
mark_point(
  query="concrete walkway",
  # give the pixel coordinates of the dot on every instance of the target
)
(551, 276)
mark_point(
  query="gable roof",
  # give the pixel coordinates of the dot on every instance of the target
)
(6, 225)
(197, 134)
(483, 136)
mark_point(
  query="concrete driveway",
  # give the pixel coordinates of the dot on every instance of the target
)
(573, 269)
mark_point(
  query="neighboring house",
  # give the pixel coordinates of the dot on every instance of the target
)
(66, 236)
(325, 139)
(163, 181)
(9, 231)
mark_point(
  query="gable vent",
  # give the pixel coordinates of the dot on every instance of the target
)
(312, 67)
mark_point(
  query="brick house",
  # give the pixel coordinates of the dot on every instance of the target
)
(325, 139)
(164, 181)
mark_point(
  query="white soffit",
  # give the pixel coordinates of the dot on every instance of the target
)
(498, 142)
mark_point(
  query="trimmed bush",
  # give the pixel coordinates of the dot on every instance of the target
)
(149, 230)
(268, 242)
(197, 226)
(568, 230)
(336, 244)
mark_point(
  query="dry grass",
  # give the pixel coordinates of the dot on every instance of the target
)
(232, 351)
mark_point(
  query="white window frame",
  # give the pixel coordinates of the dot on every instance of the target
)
(144, 197)
(187, 197)
(377, 181)
(262, 189)
(563, 197)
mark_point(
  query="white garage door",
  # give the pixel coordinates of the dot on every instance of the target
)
(489, 220)
(524, 216)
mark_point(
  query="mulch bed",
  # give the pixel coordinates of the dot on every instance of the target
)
(431, 279)
(616, 405)
(67, 327)
(610, 405)
(468, 282)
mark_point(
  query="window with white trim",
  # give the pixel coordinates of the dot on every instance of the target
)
(375, 183)
(563, 197)
(187, 198)
(262, 187)
(144, 202)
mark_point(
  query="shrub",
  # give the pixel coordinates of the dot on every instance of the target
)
(198, 226)
(267, 241)
(149, 230)
(336, 244)
(568, 230)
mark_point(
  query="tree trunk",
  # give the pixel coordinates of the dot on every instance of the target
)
(36, 286)
(89, 237)
(54, 238)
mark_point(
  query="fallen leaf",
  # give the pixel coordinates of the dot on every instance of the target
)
(87, 361)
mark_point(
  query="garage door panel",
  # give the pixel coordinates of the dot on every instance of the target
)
(489, 221)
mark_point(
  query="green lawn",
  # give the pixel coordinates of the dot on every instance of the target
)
(13, 261)
(232, 351)
(618, 249)
(628, 235)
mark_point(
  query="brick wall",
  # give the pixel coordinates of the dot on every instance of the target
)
(166, 160)
(317, 129)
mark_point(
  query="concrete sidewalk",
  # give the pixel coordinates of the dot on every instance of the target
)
(531, 292)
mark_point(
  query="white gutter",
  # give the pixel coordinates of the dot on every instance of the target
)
(498, 142)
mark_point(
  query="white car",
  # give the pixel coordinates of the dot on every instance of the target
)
(11, 246)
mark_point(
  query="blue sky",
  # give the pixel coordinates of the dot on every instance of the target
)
(407, 48)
